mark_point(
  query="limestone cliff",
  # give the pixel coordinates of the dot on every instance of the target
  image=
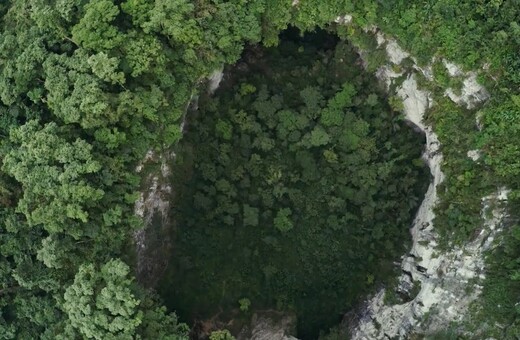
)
(448, 280)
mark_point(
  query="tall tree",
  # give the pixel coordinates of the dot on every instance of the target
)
(53, 173)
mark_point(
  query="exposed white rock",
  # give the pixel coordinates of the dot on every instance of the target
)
(214, 80)
(146, 158)
(444, 277)
(471, 94)
(415, 103)
(474, 155)
(154, 202)
(446, 290)
(343, 19)
(153, 205)
(269, 326)
(478, 120)
(386, 74)
(391, 320)
(395, 53)
(380, 38)
(265, 329)
(453, 69)
(427, 70)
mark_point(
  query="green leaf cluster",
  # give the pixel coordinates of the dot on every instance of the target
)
(297, 191)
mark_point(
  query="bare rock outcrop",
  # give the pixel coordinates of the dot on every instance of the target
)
(269, 325)
(447, 279)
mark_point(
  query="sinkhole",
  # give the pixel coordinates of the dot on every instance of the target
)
(295, 186)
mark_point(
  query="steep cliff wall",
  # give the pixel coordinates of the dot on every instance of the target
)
(448, 280)
(444, 282)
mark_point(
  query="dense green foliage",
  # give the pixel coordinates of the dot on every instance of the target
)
(300, 191)
(480, 35)
(497, 306)
(88, 86)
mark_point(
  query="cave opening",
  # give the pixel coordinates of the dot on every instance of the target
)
(295, 185)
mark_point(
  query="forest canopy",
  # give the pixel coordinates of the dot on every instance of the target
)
(296, 183)
(88, 87)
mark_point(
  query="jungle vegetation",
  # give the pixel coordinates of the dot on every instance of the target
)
(88, 86)
(296, 184)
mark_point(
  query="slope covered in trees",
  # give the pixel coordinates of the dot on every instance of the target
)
(295, 187)
(88, 86)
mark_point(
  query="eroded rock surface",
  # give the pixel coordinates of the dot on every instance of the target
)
(471, 94)
(214, 80)
(447, 280)
(152, 242)
(269, 326)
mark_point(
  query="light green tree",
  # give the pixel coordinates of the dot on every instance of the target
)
(244, 303)
(319, 137)
(95, 30)
(223, 334)
(282, 220)
(52, 172)
(100, 303)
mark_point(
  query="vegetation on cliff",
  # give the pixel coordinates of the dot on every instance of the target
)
(296, 185)
(88, 86)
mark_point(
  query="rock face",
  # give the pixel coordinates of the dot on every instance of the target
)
(269, 326)
(446, 279)
(152, 242)
(471, 94)
(214, 80)
(449, 283)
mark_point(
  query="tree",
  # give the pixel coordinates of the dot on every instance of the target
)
(319, 137)
(223, 334)
(53, 173)
(224, 129)
(95, 30)
(75, 95)
(282, 220)
(313, 100)
(100, 303)
(106, 68)
(55, 252)
(158, 323)
(295, 207)
(250, 215)
(244, 303)
(334, 112)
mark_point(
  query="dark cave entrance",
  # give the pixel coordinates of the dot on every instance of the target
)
(296, 184)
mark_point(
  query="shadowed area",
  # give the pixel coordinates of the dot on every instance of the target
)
(296, 184)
